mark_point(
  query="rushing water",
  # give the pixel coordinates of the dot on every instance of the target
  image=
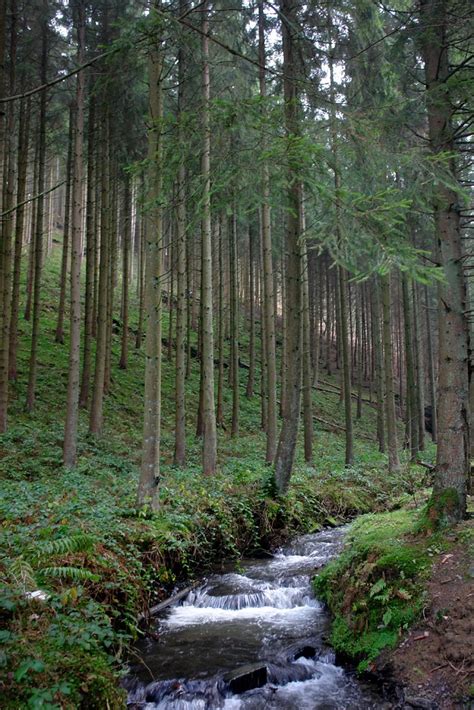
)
(250, 640)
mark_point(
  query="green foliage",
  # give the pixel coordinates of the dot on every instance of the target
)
(78, 536)
(375, 588)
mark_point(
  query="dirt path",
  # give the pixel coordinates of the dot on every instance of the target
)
(434, 663)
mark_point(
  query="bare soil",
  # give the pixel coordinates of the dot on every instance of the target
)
(433, 666)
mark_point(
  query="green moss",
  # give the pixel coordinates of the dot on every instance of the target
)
(375, 588)
(442, 510)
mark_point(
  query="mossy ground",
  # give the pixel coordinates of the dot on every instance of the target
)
(79, 536)
(376, 588)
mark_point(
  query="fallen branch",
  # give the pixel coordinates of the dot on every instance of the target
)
(437, 668)
(337, 391)
(427, 465)
(154, 610)
(333, 425)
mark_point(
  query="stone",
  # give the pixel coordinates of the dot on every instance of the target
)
(305, 652)
(416, 702)
(247, 677)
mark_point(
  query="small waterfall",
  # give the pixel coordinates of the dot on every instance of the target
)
(252, 640)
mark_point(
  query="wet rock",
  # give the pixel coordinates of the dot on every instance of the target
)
(416, 702)
(281, 674)
(305, 652)
(247, 677)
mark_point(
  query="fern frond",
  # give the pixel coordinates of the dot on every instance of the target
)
(23, 574)
(65, 545)
(77, 574)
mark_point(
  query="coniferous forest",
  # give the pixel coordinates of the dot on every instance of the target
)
(235, 354)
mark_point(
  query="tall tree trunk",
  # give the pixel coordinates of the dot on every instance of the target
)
(150, 468)
(32, 239)
(269, 295)
(38, 254)
(411, 410)
(126, 247)
(452, 459)
(346, 366)
(96, 413)
(59, 335)
(91, 226)
(141, 279)
(359, 304)
(378, 363)
(343, 297)
(307, 378)
(72, 404)
(234, 319)
(170, 304)
(220, 325)
(209, 451)
(23, 143)
(6, 227)
(420, 368)
(328, 319)
(249, 391)
(180, 395)
(289, 431)
(112, 271)
(431, 369)
(181, 309)
(392, 445)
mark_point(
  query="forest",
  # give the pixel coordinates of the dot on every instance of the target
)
(235, 354)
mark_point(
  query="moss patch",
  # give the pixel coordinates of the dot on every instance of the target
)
(375, 589)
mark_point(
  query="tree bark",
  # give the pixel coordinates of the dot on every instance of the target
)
(234, 319)
(72, 403)
(150, 468)
(96, 413)
(448, 500)
(59, 335)
(23, 144)
(181, 309)
(291, 414)
(249, 390)
(209, 450)
(7, 226)
(392, 445)
(38, 253)
(307, 378)
(411, 405)
(92, 174)
(269, 295)
(126, 247)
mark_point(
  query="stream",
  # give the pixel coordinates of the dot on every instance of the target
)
(252, 638)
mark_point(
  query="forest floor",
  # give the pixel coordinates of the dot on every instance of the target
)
(434, 663)
(78, 536)
(402, 600)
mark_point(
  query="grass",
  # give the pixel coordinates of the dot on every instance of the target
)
(78, 536)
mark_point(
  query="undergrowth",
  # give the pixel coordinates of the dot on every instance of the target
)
(375, 589)
(79, 561)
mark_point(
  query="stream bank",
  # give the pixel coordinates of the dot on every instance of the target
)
(250, 638)
(402, 600)
(114, 561)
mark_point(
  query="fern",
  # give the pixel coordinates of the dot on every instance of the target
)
(64, 545)
(23, 574)
(77, 574)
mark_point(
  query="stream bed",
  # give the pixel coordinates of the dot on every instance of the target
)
(253, 638)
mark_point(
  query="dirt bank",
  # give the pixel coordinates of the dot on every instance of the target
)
(433, 665)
